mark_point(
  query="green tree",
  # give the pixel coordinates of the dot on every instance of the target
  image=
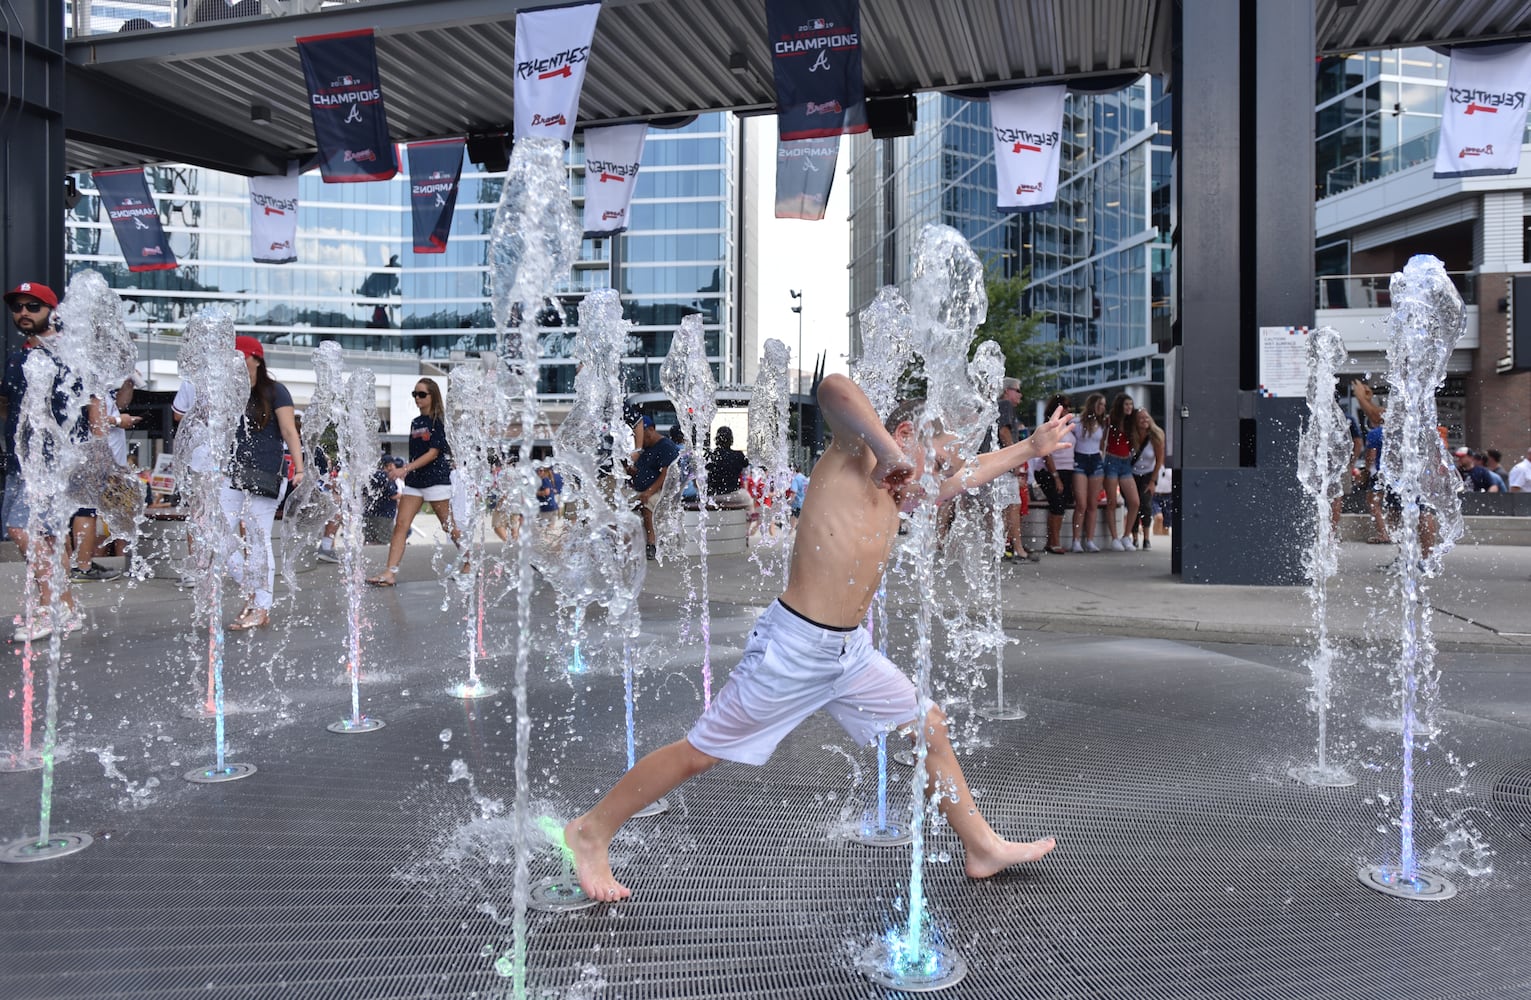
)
(1015, 331)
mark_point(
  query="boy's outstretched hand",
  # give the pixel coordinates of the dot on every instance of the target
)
(1053, 435)
(896, 475)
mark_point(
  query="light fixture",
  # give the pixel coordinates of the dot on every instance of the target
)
(737, 64)
(260, 114)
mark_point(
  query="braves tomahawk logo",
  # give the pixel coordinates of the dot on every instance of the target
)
(1467, 151)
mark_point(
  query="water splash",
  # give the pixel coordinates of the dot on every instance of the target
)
(766, 448)
(310, 505)
(686, 377)
(1323, 469)
(1427, 320)
(355, 418)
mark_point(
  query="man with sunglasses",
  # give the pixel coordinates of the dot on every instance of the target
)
(31, 304)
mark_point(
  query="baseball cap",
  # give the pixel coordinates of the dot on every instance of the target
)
(249, 347)
(1462, 452)
(645, 420)
(37, 290)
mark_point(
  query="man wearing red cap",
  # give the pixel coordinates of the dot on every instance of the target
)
(31, 304)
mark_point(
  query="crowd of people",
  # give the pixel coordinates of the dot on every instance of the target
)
(1112, 464)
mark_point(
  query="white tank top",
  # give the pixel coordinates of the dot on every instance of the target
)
(1146, 458)
(1086, 443)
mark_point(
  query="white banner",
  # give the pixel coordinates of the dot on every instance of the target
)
(1028, 133)
(612, 156)
(552, 51)
(1484, 119)
(805, 172)
(274, 218)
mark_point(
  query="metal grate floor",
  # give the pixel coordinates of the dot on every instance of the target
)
(1188, 866)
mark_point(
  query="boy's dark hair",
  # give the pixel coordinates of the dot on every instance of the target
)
(724, 437)
(908, 410)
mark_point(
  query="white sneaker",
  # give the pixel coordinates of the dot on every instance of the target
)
(1077, 547)
(42, 627)
(1120, 545)
(73, 622)
(328, 555)
(1090, 546)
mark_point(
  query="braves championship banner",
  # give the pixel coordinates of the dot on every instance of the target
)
(612, 156)
(434, 171)
(345, 99)
(274, 218)
(1484, 119)
(135, 219)
(1028, 133)
(805, 171)
(552, 52)
(816, 60)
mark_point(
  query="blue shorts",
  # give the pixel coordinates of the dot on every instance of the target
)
(1088, 465)
(791, 668)
(1118, 467)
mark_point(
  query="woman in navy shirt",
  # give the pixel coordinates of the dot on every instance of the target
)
(427, 477)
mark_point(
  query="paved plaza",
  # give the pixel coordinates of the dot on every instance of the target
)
(1161, 719)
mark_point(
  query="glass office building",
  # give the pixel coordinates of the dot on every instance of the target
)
(357, 280)
(1098, 259)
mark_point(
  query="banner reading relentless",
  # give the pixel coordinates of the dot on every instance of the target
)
(552, 52)
(1484, 119)
(612, 156)
(805, 171)
(135, 219)
(435, 168)
(816, 60)
(274, 218)
(1028, 131)
(345, 99)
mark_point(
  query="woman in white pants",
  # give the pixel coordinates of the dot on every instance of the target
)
(256, 485)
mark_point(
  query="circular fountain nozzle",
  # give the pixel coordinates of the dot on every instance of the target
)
(1325, 776)
(56, 846)
(1002, 713)
(1418, 885)
(16, 761)
(472, 689)
(213, 775)
(556, 895)
(885, 835)
(365, 725)
(937, 968)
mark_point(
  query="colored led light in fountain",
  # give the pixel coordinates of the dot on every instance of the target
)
(577, 664)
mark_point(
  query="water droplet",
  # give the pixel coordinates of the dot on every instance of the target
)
(446, 736)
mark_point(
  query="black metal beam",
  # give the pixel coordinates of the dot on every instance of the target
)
(257, 34)
(103, 111)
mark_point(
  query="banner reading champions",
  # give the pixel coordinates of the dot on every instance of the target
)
(805, 171)
(135, 219)
(612, 156)
(274, 218)
(345, 99)
(1028, 132)
(552, 53)
(435, 168)
(1484, 119)
(816, 60)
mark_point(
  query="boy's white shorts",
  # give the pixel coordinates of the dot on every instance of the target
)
(791, 668)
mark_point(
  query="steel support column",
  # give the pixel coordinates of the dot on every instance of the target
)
(32, 159)
(1243, 93)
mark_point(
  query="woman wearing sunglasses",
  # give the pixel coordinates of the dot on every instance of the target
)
(427, 477)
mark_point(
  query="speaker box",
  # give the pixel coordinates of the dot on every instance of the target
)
(891, 117)
(490, 151)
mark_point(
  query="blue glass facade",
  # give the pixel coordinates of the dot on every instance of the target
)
(357, 280)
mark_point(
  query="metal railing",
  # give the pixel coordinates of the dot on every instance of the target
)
(1375, 166)
(1370, 291)
(104, 17)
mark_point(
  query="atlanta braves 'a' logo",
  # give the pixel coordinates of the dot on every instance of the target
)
(354, 115)
(822, 62)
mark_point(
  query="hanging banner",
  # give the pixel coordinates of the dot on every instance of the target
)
(1028, 135)
(274, 218)
(552, 52)
(434, 171)
(612, 156)
(805, 171)
(1483, 122)
(816, 59)
(135, 219)
(345, 99)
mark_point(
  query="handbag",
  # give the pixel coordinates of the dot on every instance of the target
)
(249, 479)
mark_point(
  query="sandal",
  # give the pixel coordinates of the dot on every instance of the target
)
(250, 618)
(1057, 550)
(1379, 540)
(379, 581)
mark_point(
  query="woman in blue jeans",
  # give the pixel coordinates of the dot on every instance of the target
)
(1117, 477)
(1089, 438)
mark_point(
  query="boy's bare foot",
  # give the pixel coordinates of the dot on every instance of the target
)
(1003, 853)
(592, 864)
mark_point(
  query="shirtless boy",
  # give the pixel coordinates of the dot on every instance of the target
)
(808, 651)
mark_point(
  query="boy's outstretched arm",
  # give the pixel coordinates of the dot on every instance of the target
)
(1048, 438)
(857, 429)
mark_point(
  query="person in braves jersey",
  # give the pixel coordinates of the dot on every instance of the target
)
(427, 477)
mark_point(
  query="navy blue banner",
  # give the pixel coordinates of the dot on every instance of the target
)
(816, 59)
(135, 219)
(345, 98)
(434, 170)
